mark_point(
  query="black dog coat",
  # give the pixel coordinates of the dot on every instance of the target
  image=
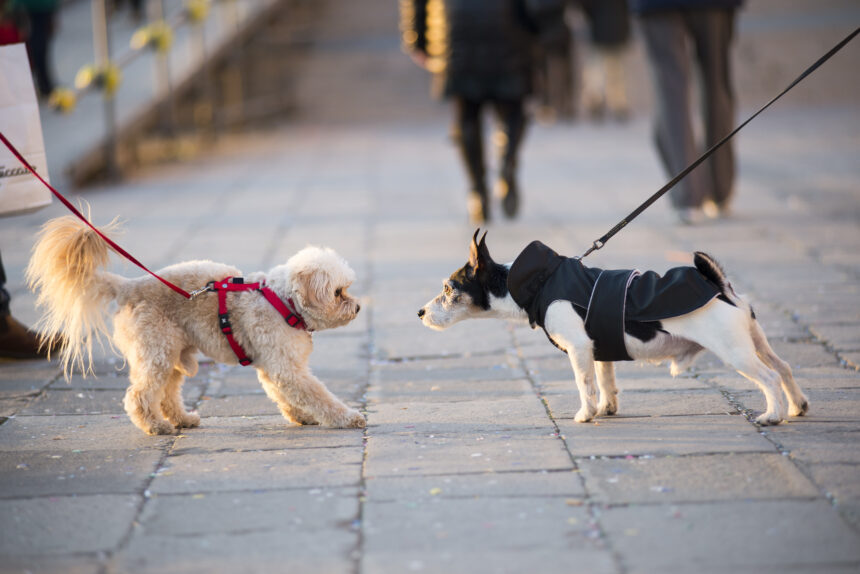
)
(605, 299)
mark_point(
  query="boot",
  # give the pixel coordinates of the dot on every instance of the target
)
(18, 342)
(478, 206)
(509, 138)
(507, 189)
(471, 146)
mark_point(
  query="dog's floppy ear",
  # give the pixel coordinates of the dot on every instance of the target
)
(314, 286)
(479, 255)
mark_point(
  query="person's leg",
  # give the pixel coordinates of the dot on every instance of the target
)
(512, 124)
(712, 32)
(16, 341)
(41, 24)
(469, 138)
(616, 82)
(666, 43)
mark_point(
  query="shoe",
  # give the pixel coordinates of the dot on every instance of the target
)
(690, 216)
(478, 206)
(508, 192)
(714, 210)
(18, 342)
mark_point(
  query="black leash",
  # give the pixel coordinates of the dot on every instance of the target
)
(599, 243)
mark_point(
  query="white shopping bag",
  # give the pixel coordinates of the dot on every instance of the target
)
(20, 191)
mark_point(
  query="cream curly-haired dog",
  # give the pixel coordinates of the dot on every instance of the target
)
(159, 332)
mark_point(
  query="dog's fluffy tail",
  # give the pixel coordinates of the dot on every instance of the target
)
(71, 289)
(709, 267)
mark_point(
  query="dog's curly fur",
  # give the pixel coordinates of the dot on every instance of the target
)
(159, 332)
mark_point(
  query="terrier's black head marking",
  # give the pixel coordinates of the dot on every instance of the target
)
(481, 276)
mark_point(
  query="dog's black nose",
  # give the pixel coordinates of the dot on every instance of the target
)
(357, 308)
(420, 312)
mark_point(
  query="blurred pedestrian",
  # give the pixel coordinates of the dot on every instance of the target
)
(10, 24)
(604, 84)
(41, 23)
(669, 28)
(481, 53)
(554, 69)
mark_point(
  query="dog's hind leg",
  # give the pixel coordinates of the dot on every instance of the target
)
(151, 360)
(143, 398)
(172, 405)
(741, 355)
(605, 372)
(302, 394)
(798, 404)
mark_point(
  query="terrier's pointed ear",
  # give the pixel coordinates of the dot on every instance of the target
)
(479, 255)
(473, 249)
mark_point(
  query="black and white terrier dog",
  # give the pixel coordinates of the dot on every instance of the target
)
(600, 316)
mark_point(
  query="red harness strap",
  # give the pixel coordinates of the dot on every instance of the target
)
(227, 284)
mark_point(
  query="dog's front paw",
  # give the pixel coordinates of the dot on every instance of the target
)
(799, 410)
(768, 419)
(584, 415)
(356, 420)
(189, 420)
(159, 427)
(607, 408)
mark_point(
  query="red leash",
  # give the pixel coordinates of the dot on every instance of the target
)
(74, 210)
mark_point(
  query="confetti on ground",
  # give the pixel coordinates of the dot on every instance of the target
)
(435, 491)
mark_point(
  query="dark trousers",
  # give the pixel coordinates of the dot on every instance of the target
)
(38, 46)
(468, 133)
(4, 295)
(668, 37)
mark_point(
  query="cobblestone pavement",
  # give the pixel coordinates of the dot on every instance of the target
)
(471, 461)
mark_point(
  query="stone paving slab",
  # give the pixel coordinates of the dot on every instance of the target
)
(76, 402)
(259, 433)
(238, 405)
(468, 369)
(62, 564)
(255, 470)
(464, 450)
(695, 479)
(415, 340)
(509, 414)
(489, 535)
(621, 436)
(748, 536)
(289, 511)
(65, 524)
(482, 485)
(273, 551)
(61, 472)
(73, 432)
(445, 390)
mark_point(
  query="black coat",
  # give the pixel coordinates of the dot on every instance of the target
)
(608, 22)
(652, 6)
(608, 301)
(480, 49)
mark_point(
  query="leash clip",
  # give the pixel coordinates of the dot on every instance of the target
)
(194, 294)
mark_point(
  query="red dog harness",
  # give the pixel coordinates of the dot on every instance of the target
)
(287, 310)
